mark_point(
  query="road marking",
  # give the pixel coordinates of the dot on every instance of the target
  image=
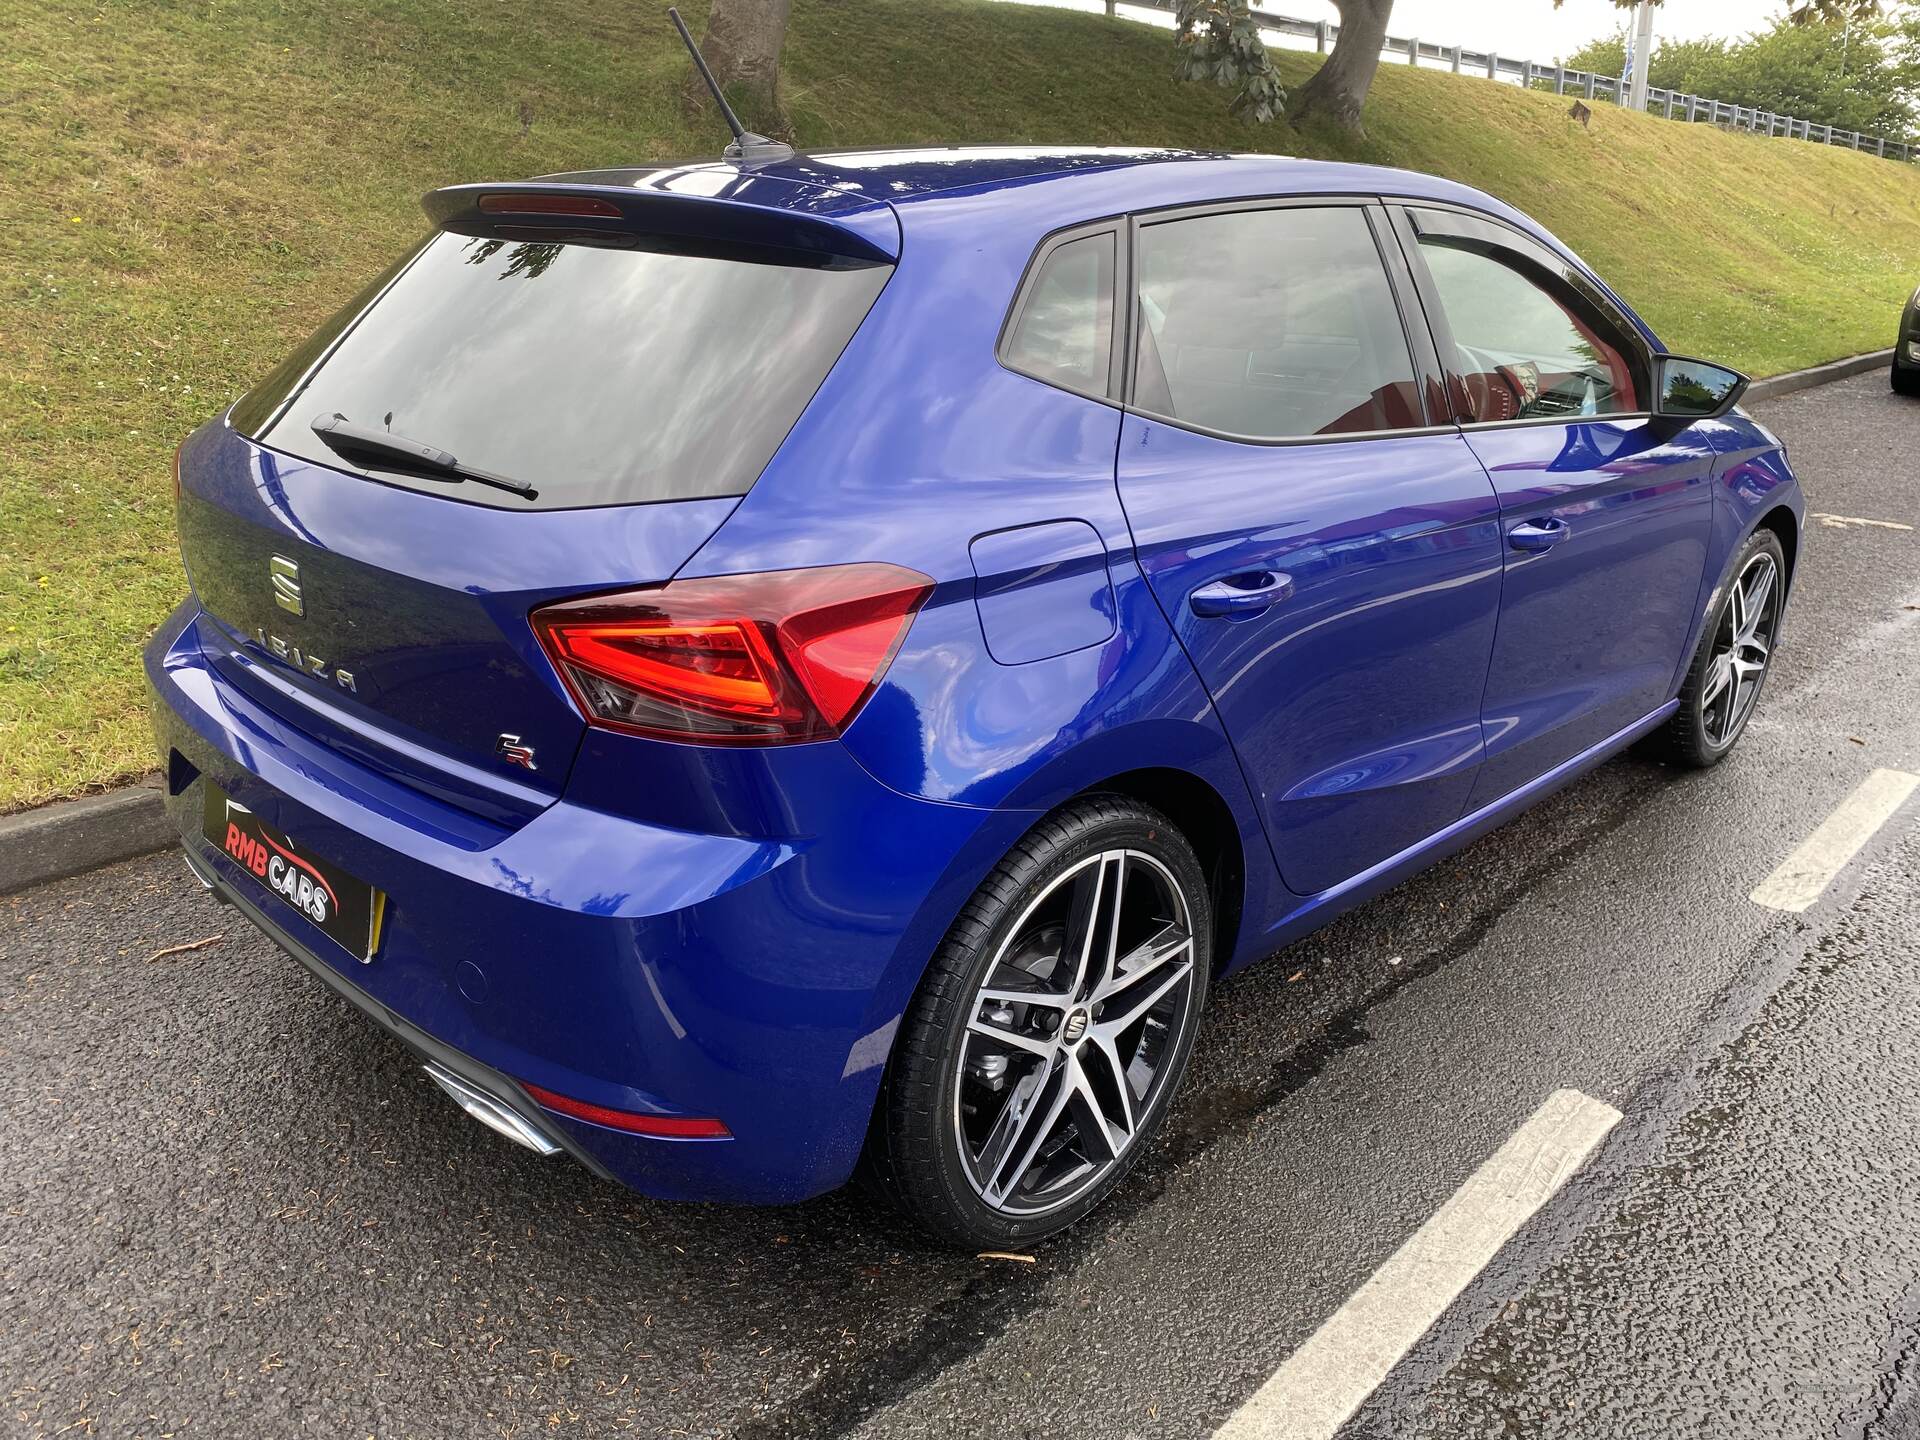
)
(1808, 871)
(1322, 1383)
(1842, 522)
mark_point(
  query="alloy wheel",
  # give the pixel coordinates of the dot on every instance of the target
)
(1072, 1033)
(1742, 648)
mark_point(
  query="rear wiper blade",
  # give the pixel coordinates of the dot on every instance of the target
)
(348, 439)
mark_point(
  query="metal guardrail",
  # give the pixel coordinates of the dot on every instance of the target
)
(1673, 104)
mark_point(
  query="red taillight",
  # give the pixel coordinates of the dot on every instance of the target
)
(547, 205)
(672, 1127)
(766, 659)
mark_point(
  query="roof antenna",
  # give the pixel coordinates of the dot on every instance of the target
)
(747, 147)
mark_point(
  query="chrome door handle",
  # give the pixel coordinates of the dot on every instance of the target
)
(1247, 593)
(1536, 535)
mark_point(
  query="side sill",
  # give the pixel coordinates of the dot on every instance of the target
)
(1321, 909)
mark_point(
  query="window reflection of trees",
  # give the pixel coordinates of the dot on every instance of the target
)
(1687, 396)
(527, 258)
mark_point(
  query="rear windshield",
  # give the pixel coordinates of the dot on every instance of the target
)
(600, 376)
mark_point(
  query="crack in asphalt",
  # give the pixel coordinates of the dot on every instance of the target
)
(1895, 1369)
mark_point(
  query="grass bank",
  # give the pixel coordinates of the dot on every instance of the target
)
(186, 188)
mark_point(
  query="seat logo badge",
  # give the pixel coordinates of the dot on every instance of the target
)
(509, 749)
(286, 584)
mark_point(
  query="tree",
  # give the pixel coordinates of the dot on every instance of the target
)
(1852, 75)
(742, 45)
(1339, 87)
(1808, 12)
(1829, 11)
(1219, 41)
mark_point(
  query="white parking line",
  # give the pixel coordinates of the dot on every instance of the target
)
(1808, 871)
(1323, 1382)
(1845, 522)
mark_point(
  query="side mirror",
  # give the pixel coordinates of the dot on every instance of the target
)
(1689, 390)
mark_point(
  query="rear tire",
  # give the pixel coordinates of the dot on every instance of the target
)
(1004, 1119)
(1905, 379)
(1731, 662)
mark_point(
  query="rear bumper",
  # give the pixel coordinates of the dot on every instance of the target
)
(466, 1080)
(754, 978)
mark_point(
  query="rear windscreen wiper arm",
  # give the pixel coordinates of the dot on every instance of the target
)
(343, 436)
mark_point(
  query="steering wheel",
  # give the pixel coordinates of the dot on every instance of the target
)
(1492, 393)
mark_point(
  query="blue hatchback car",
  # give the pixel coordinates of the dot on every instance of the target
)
(754, 669)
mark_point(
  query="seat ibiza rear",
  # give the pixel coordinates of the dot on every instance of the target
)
(751, 669)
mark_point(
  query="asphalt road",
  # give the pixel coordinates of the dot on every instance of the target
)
(228, 1206)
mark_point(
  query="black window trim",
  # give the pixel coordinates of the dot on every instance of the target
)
(1415, 299)
(1533, 256)
(1112, 226)
(1421, 354)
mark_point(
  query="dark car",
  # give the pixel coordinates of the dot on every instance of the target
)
(748, 665)
(1906, 349)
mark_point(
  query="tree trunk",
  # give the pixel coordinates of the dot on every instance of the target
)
(742, 46)
(1339, 87)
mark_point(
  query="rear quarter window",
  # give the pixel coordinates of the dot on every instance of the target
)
(1063, 332)
(601, 375)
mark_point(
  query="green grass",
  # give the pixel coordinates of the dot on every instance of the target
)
(186, 188)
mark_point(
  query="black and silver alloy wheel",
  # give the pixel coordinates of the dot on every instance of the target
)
(1053, 1024)
(1070, 1031)
(1730, 663)
(1742, 647)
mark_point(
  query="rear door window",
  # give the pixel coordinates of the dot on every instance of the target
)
(1271, 324)
(600, 375)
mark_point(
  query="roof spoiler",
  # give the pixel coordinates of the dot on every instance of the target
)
(730, 206)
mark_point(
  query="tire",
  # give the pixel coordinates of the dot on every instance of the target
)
(1710, 720)
(955, 1096)
(1905, 379)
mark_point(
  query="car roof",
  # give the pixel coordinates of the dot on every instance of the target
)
(919, 172)
(1155, 176)
(1032, 190)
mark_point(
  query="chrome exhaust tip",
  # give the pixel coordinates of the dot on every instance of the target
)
(202, 872)
(493, 1112)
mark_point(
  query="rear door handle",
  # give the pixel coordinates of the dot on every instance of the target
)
(1247, 593)
(1538, 534)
